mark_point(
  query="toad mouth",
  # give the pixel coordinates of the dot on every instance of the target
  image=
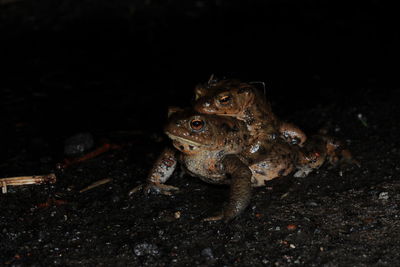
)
(182, 140)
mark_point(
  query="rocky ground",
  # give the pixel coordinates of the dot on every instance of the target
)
(115, 92)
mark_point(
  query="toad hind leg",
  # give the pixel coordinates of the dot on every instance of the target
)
(240, 188)
(319, 149)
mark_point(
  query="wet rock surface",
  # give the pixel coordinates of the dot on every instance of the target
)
(346, 216)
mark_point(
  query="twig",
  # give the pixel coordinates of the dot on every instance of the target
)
(363, 120)
(96, 184)
(52, 202)
(104, 148)
(25, 180)
(136, 189)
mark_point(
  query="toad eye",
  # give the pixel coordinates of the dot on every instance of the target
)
(197, 124)
(224, 100)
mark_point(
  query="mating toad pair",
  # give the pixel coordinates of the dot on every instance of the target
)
(230, 136)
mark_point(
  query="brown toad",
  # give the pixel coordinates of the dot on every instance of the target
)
(211, 148)
(245, 102)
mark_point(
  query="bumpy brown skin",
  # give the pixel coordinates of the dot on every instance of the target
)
(292, 134)
(204, 148)
(335, 150)
(240, 191)
(245, 102)
(243, 152)
(162, 169)
(212, 151)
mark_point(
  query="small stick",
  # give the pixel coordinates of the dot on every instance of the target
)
(102, 149)
(136, 189)
(25, 180)
(96, 184)
(50, 202)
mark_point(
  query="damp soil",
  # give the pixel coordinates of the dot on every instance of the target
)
(335, 216)
(54, 91)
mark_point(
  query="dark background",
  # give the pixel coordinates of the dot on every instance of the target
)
(111, 68)
(92, 63)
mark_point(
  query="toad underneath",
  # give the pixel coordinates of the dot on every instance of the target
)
(210, 147)
(234, 138)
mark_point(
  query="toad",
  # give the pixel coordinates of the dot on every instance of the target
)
(210, 147)
(234, 138)
(245, 102)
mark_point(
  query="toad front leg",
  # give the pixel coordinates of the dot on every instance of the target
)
(240, 188)
(162, 169)
(292, 134)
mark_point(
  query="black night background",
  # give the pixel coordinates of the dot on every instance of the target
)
(108, 70)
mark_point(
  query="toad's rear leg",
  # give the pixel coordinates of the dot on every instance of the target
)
(278, 162)
(240, 188)
(311, 156)
(321, 148)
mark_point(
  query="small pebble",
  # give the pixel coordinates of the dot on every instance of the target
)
(115, 198)
(177, 214)
(208, 253)
(145, 249)
(78, 144)
(384, 195)
(311, 204)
